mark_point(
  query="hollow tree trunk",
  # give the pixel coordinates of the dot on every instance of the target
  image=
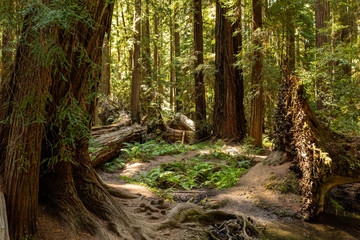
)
(324, 159)
(46, 118)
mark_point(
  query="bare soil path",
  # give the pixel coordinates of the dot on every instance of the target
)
(276, 211)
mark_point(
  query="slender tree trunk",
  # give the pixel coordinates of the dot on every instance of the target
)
(256, 120)
(136, 74)
(178, 89)
(290, 48)
(172, 72)
(200, 103)
(229, 119)
(158, 91)
(146, 52)
(106, 61)
(348, 32)
(322, 16)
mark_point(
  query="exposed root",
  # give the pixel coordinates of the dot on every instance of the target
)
(213, 224)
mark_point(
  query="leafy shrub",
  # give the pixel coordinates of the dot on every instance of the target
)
(146, 151)
(113, 165)
(191, 174)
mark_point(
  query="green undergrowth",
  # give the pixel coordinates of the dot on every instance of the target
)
(193, 173)
(142, 152)
(113, 165)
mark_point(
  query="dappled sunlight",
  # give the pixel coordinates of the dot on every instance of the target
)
(133, 168)
(134, 189)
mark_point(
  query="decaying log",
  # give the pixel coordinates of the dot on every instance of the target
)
(322, 158)
(182, 122)
(175, 135)
(125, 121)
(109, 145)
(180, 129)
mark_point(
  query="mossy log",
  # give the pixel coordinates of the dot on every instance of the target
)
(109, 145)
(323, 158)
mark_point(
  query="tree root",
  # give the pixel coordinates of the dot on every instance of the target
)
(214, 224)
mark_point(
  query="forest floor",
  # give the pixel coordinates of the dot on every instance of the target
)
(260, 194)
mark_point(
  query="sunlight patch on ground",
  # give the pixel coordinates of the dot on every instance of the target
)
(132, 169)
(134, 189)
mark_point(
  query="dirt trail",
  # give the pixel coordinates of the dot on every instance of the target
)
(273, 209)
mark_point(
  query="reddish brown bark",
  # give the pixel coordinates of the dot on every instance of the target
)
(229, 119)
(34, 129)
(200, 104)
(136, 74)
(256, 119)
(322, 16)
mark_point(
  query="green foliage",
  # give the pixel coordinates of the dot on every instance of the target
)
(336, 205)
(113, 165)
(146, 151)
(192, 174)
(249, 146)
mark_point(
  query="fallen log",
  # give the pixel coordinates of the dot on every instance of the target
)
(322, 159)
(175, 135)
(182, 122)
(108, 145)
(125, 121)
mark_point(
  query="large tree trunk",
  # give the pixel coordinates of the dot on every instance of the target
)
(21, 135)
(200, 104)
(322, 158)
(257, 105)
(46, 118)
(136, 74)
(229, 119)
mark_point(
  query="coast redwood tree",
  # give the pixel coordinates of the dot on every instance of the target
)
(229, 118)
(200, 103)
(45, 115)
(257, 105)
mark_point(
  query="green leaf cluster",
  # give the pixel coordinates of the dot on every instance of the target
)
(191, 174)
